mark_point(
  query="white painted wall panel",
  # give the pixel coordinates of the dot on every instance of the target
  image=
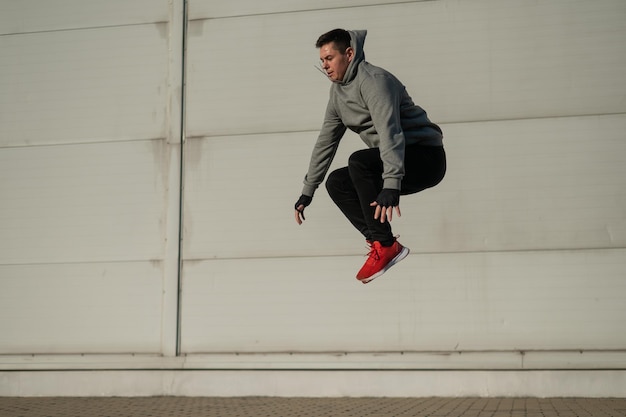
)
(463, 61)
(536, 184)
(440, 302)
(239, 196)
(516, 185)
(20, 16)
(89, 168)
(263, 88)
(89, 181)
(603, 384)
(83, 86)
(223, 8)
(110, 307)
(82, 203)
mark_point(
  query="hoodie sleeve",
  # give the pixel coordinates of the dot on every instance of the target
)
(324, 150)
(383, 95)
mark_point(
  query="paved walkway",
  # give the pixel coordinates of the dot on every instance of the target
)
(310, 407)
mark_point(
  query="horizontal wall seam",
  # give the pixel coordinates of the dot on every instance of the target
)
(319, 9)
(449, 123)
(73, 29)
(87, 142)
(537, 250)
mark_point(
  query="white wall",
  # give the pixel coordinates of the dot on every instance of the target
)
(517, 257)
(520, 248)
(335, 383)
(88, 156)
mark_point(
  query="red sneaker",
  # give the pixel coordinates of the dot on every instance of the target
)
(380, 259)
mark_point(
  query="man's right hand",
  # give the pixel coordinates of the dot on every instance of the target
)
(302, 202)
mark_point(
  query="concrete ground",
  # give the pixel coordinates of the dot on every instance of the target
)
(309, 407)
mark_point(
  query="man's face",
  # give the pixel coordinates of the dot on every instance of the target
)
(334, 63)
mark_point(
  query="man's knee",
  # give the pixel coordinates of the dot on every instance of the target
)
(335, 180)
(365, 160)
(357, 158)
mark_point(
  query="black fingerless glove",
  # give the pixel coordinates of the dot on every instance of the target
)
(388, 197)
(304, 200)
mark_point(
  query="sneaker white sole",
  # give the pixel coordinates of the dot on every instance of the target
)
(403, 253)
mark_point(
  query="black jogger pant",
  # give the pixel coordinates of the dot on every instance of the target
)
(354, 187)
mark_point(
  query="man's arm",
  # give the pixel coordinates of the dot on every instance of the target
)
(322, 156)
(324, 150)
(383, 95)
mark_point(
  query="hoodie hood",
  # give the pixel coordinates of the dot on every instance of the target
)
(357, 41)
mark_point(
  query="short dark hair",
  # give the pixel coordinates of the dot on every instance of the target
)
(340, 37)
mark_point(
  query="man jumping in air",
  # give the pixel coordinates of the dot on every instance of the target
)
(405, 152)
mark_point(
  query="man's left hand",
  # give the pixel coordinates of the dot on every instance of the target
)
(386, 202)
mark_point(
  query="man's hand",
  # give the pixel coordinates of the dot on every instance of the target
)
(302, 202)
(387, 200)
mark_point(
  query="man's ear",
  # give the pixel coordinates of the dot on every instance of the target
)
(350, 53)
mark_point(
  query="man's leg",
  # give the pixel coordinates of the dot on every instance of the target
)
(342, 188)
(366, 168)
(424, 166)
(342, 192)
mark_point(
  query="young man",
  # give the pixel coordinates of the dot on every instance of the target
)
(405, 152)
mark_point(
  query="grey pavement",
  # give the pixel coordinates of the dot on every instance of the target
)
(305, 407)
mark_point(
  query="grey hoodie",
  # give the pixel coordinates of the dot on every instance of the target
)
(374, 104)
